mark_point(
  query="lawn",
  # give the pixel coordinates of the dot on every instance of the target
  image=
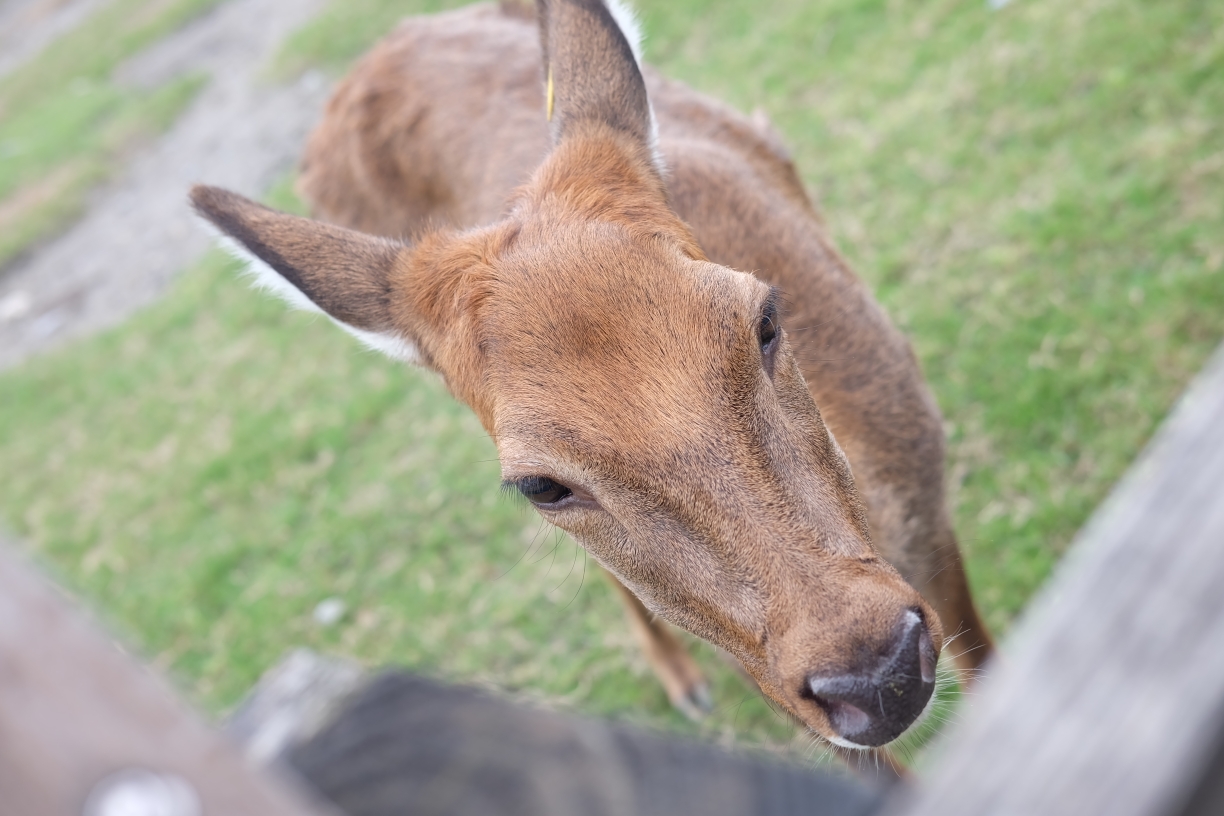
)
(1033, 192)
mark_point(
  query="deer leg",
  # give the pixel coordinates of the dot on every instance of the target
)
(686, 687)
(912, 530)
(947, 590)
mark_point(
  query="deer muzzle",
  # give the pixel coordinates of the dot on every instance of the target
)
(877, 700)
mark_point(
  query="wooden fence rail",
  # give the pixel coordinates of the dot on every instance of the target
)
(1110, 696)
(85, 730)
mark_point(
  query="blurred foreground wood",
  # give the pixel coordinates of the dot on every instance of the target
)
(406, 743)
(85, 730)
(1110, 696)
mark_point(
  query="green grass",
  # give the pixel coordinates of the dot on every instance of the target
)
(1033, 193)
(65, 124)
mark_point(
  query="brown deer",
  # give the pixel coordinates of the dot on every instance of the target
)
(598, 266)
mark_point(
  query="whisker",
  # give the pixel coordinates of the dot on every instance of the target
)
(530, 547)
(573, 563)
(580, 582)
(556, 542)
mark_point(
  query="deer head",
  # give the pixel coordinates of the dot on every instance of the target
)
(642, 398)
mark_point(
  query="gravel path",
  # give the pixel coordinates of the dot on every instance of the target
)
(240, 132)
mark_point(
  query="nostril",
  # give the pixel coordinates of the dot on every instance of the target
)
(859, 692)
(846, 701)
(914, 641)
(926, 656)
(847, 718)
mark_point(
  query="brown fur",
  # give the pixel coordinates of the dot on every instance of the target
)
(598, 330)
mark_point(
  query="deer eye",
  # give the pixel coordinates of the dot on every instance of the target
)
(767, 332)
(542, 491)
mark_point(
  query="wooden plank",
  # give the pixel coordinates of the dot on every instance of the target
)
(291, 702)
(1208, 798)
(80, 719)
(1110, 694)
(407, 744)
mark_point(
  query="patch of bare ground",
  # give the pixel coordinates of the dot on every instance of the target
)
(27, 26)
(241, 132)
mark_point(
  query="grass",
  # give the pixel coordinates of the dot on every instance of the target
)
(1032, 192)
(65, 124)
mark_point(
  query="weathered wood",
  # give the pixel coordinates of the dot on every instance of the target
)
(79, 721)
(1207, 799)
(409, 745)
(1111, 696)
(291, 702)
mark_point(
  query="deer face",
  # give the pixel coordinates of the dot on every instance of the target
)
(641, 398)
(648, 402)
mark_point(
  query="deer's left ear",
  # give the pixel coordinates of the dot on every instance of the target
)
(343, 274)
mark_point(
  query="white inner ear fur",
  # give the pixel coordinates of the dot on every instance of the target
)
(627, 21)
(266, 278)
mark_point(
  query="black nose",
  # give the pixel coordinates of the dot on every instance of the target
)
(874, 704)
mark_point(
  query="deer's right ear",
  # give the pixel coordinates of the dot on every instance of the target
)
(343, 274)
(591, 54)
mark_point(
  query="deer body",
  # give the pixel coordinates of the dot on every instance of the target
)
(572, 279)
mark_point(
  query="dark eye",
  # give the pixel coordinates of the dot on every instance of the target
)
(769, 328)
(767, 333)
(541, 490)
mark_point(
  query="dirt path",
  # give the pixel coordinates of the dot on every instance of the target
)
(27, 26)
(240, 132)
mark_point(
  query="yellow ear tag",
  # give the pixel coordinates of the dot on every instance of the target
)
(550, 93)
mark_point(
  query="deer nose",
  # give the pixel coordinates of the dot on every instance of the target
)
(874, 704)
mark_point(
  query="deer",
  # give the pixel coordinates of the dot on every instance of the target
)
(623, 279)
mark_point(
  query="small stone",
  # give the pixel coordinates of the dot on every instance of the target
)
(329, 611)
